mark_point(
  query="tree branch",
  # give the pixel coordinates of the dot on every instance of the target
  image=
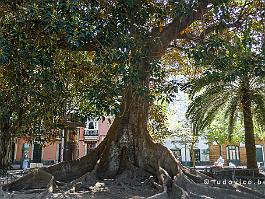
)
(210, 29)
(173, 29)
(220, 26)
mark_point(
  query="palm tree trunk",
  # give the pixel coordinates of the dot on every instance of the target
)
(249, 129)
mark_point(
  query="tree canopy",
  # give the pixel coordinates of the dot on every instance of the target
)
(124, 42)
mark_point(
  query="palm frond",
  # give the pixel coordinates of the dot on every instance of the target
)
(230, 114)
(204, 106)
(209, 80)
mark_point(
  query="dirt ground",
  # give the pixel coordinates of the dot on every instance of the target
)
(135, 184)
(128, 185)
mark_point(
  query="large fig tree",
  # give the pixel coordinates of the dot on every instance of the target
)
(127, 40)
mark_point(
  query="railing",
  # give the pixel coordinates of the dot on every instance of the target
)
(236, 174)
(91, 135)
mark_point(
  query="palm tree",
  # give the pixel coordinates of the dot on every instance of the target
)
(233, 83)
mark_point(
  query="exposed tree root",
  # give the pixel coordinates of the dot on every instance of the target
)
(37, 179)
(129, 149)
(185, 183)
(222, 191)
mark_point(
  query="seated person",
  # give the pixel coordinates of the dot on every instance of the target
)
(219, 162)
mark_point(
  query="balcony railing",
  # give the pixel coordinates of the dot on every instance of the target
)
(91, 135)
(91, 132)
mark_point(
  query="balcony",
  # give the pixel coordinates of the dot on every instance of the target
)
(91, 135)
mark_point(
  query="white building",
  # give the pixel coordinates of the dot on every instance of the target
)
(180, 143)
(183, 153)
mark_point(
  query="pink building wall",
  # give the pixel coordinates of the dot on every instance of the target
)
(103, 128)
(81, 143)
(50, 152)
(18, 150)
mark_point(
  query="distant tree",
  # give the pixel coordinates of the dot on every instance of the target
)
(40, 95)
(183, 137)
(158, 123)
(232, 83)
(26, 93)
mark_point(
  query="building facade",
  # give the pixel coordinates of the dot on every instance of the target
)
(182, 151)
(236, 153)
(86, 138)
(208, 153)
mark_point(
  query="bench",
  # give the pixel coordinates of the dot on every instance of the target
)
(238, 174)
(2, 180)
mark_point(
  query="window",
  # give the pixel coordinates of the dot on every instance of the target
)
(205, 155)
(91, 125)
(90, 147)
(259, 153)
(91, 128)
(91, 132)
(232, 152)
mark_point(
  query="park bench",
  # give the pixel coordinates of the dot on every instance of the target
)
(237, 174)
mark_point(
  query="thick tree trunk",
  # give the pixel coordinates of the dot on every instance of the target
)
(129, 143)
(5, 151)
(5, 145)
(249, 131)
